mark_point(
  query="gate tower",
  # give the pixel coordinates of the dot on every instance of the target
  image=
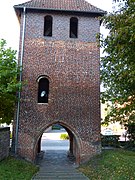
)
(59, 55)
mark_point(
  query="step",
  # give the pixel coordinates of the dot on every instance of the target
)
(48, 178)
(69, 173)
(55, 178)
(59, 176)
(57, 170)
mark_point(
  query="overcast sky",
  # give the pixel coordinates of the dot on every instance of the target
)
(9, 25)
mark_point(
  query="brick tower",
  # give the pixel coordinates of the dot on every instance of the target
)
(60, 58)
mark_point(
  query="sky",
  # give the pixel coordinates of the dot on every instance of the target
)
(9, 25)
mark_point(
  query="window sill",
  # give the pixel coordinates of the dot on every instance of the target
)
(43, 103)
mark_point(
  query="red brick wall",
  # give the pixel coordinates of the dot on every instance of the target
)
(72, 66)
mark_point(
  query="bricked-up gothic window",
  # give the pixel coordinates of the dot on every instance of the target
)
(43, 90)
(48, 20)
(73, 27)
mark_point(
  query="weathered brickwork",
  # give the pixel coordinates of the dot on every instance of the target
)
(72, 67)
(4, 142)
(87, 29)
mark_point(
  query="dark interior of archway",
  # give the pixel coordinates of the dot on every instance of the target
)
(52, 149)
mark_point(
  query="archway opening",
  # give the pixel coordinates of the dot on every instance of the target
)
(58, 145)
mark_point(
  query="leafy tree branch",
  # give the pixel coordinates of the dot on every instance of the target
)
(118, 64)
(9, 83)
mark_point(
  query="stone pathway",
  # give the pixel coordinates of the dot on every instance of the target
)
(55, 165)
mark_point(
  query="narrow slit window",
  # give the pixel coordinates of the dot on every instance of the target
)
(48, 20)
(73, 27)
(43, 90)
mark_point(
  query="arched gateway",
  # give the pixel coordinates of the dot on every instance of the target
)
(74, 141)
(59, 55)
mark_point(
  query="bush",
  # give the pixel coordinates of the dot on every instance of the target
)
(64, 136)
(10, 135)
(56, 127)
(110, 140)
(131, 131)
(131, 134)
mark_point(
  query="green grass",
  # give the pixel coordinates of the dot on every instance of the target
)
(111, 165)
(15, 169)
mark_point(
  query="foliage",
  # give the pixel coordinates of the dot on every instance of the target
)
(110, 140)
(56, 127)
(8, 82)
(11, 135)
(111, 164)
(118, 64)
(15, 169)
(64, 136)
(131, 132)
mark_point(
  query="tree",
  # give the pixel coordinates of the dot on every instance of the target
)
(118, 64)
(9, 83)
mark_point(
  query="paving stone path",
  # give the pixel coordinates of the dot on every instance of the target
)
(55, 165)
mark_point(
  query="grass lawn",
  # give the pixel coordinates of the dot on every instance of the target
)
(111, 165)
(15, 169)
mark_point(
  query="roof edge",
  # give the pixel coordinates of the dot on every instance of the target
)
(102, 13)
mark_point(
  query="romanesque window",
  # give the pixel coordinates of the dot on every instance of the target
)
(73, 27)
(48, 21)
(43, 90)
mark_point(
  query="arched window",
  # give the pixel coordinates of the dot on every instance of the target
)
(48, 21)
(43, 90)
(73, 27)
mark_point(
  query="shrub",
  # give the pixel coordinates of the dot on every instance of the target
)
(110, 140)
(64, 136)
(10, 135)
(131, 134)
(131, 131)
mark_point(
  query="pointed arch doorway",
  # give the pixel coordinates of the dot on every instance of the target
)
(53, 149)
